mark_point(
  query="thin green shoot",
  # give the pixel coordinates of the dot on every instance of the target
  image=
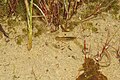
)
(29, 22)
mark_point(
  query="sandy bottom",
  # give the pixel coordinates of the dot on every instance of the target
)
(51, 59)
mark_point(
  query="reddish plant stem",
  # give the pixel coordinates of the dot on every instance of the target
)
(12, 6)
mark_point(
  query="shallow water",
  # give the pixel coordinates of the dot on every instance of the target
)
(51, 58)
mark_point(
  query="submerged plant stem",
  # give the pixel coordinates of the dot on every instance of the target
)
(29, 21)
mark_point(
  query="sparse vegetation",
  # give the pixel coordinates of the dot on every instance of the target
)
(59, 13)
